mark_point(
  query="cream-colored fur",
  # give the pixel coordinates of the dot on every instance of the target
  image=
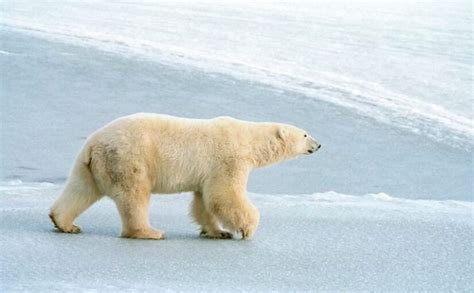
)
(140, 154)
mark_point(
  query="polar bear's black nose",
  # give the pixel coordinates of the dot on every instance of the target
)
(319, 146)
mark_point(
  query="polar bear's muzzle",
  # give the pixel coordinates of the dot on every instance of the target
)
(312, 150)
(314, 146)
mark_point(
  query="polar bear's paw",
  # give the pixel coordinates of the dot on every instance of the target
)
(246, 223)
(150, 234)
(247, 233)
(219, 234)
(73, 229)
(247, 228)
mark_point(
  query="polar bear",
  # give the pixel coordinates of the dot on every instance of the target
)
(136, 155)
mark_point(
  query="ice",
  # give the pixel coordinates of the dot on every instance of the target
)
(324, 241)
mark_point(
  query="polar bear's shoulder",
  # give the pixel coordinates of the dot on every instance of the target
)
(227, 120)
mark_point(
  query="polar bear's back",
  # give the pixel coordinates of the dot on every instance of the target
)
(172, 154)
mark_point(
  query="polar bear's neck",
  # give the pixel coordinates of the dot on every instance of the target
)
(266, 147)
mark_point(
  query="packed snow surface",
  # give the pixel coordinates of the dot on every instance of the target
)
(322, 241)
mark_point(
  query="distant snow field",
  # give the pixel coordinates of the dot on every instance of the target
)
(403, 63)
(323, 241)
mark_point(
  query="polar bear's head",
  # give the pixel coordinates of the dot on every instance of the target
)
(297, 141)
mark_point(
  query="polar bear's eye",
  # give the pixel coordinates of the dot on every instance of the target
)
(305, 135)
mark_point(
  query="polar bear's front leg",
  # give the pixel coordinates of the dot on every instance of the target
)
(232, 208)
(208, 222)
(133, 209)
(235, 213)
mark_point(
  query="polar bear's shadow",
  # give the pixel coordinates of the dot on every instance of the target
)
(106, 231)
(115, 234)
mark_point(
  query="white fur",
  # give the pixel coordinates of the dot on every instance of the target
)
(140, 154)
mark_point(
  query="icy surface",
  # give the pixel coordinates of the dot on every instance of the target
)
(324, 241)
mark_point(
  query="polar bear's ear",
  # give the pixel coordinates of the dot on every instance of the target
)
(282, 133)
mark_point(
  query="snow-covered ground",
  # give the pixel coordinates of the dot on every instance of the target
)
(387, 204)
(324, 241)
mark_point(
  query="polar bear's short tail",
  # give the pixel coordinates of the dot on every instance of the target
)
(79, 193)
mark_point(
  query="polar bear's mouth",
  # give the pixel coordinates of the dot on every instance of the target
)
(312, 150)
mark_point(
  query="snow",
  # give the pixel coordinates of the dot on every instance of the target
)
(324, 241)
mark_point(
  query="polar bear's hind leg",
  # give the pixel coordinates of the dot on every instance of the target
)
(133, 209)
(79, 193)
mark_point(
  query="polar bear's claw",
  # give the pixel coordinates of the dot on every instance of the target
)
(216, 235)
(246, 234)
(53, 220)
(226, 235)
(74, 230)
